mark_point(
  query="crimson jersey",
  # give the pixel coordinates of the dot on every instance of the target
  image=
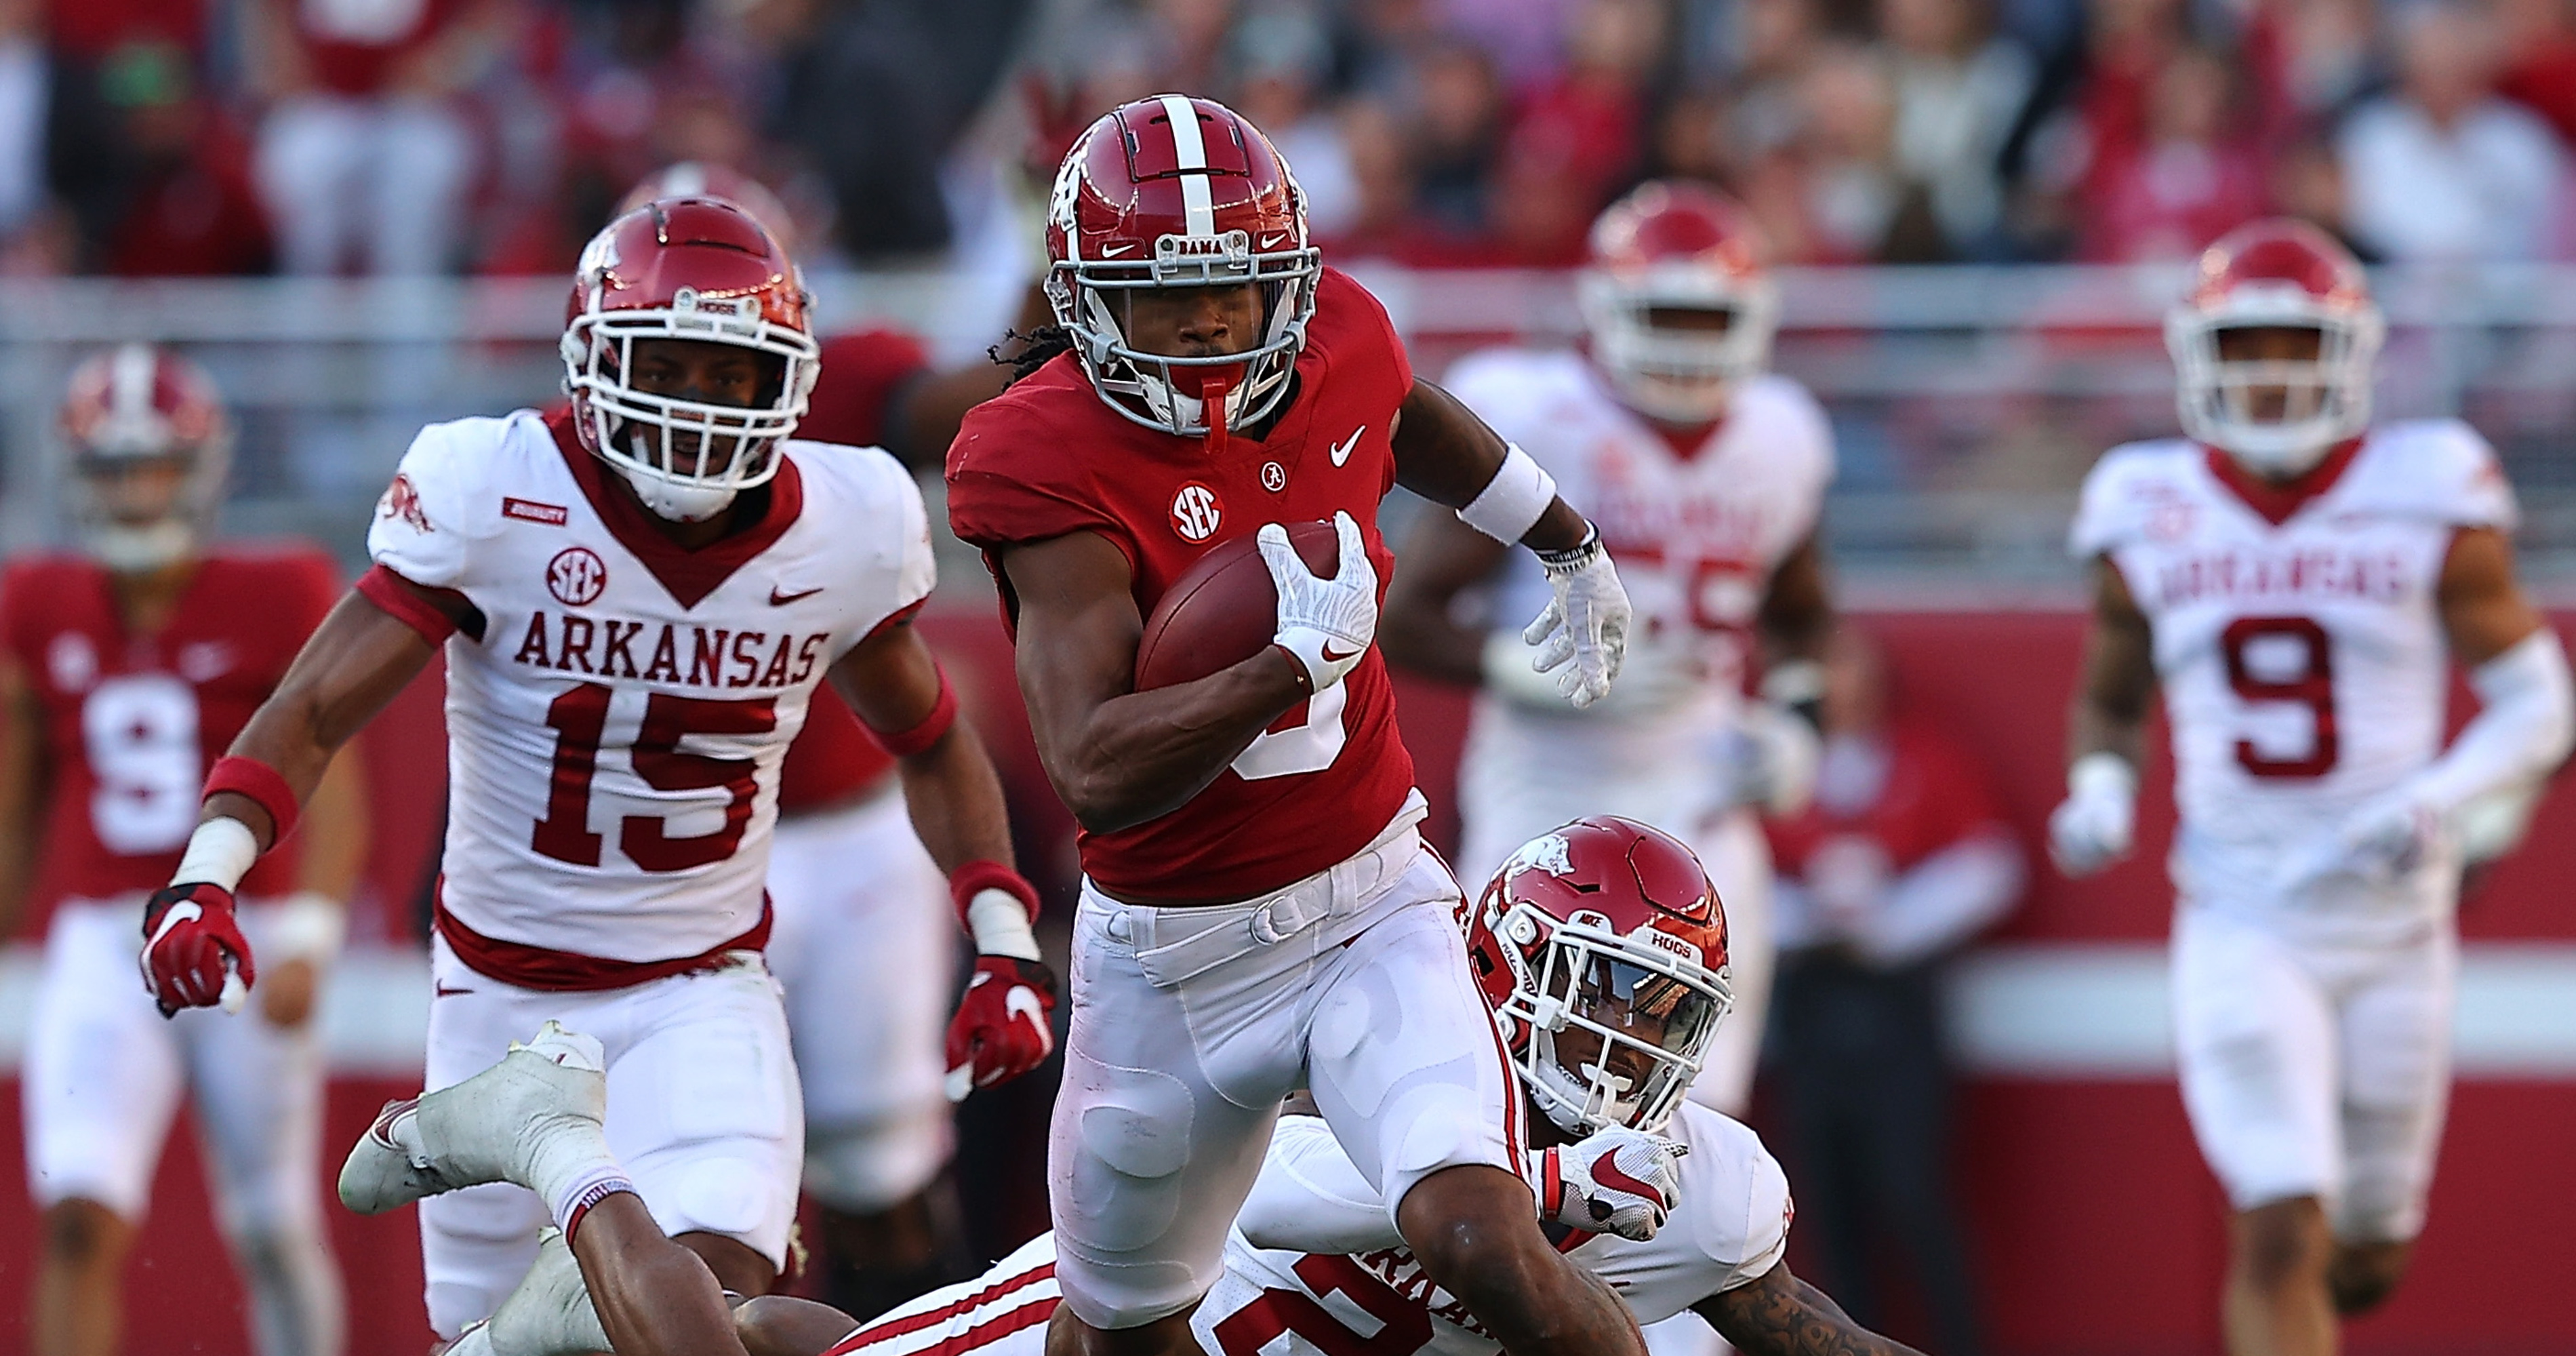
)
(1047, 458)
(131, 723)
(834, 758)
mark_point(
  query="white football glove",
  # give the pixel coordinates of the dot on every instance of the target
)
(1586, 622)
(2392, 834)
(1614, 1181)
(1326, 623)
(1767, 757)
(2095, 824)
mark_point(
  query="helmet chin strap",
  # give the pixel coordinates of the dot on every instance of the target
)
(679, 503)
(133, 550)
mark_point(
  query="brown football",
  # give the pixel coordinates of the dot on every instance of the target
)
(1223, 610)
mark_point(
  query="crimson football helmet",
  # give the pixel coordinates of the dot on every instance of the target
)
(686, 268)
(1173, 191)
(135, 406)
(2277, 273)
(1611, 929)
(1676, 247)
(707, 179)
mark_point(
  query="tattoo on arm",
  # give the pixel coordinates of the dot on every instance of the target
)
(1780, 1315)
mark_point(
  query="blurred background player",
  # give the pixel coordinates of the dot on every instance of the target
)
(863, 940)
(1602, 949)
(2296, 583)
(1705, 473)
(124, 672)
(616, 758)
(1897, 863)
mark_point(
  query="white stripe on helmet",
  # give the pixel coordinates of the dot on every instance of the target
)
(1189, 152)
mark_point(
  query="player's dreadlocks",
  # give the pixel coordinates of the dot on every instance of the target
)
(1033, 350)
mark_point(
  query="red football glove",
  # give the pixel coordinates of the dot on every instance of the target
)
(1003, 1027)
(189, 940)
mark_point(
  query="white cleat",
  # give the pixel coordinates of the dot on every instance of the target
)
(550, 1314)
(485, 1129)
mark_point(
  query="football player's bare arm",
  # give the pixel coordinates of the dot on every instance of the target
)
(2119, 676)
(1446, 454)
(950, 788)
(1420, 628)
(781, 1325)
(2484, 612)
(654, 1296)
(1780, 1315)
(2105, 738)
(1798, 609)
(355, 662)
(22, 777)
(1119, 757)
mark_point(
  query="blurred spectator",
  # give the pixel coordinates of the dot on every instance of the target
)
(2191, 182)
(1456, 135)
(2308, 61)
(874, 92)
(364, 157)
(1579, 139)
(154, 174)
(1900, 860)
(1959, 88)
(1834, 195)
(1283, 58)
(2443, 169)
(2307, 183)
(2540, 63)
(23, 90)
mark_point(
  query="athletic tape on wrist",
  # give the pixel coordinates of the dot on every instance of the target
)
(1510, 504)
(925, 732)
(585, 1193)
(976, 877)
(264, 786)
(219, 853)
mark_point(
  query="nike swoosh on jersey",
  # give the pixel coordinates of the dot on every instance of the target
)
(1342, 449)
(777, 599)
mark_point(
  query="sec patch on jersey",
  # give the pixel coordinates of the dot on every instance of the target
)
(1224, 609)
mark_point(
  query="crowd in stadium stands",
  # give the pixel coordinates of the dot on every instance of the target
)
(413, 136)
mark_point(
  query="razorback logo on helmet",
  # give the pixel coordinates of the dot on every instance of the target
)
(1607, 933)
(402, 500)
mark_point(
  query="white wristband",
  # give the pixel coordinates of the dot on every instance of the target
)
(219, 853)
(1510, 504)
(2102, 773)
(310, 925)
(999, 922)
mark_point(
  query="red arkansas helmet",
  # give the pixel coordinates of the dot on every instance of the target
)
(132, 406)
(1173, 191)
(1608, 928)
(2276, 273)
(687, 268)
(707, 179)
(1671, 247)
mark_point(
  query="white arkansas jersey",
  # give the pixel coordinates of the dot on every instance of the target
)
(2302, 660)
(615, 732)
(1315, 1260)
(1696, 539)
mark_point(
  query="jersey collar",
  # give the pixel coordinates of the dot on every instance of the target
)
(2276, 502)
(688, 575)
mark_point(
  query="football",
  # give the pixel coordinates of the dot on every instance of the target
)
(1223, 610)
